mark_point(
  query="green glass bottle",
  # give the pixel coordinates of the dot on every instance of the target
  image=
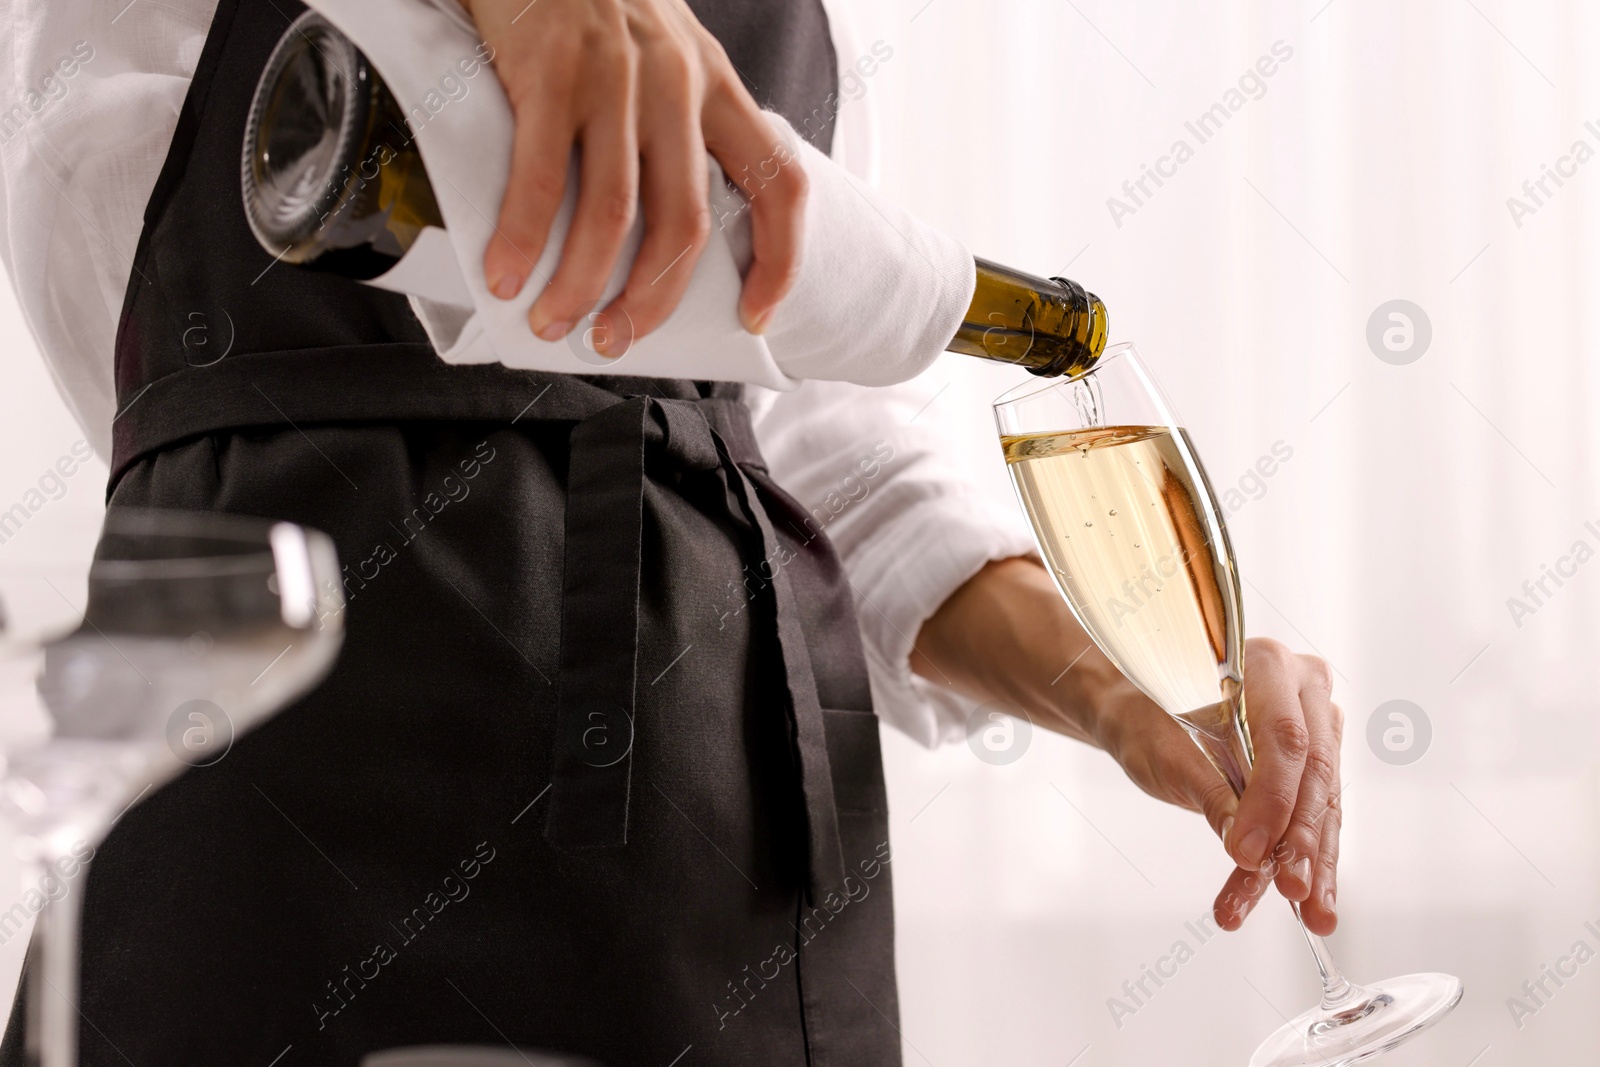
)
(333, 180)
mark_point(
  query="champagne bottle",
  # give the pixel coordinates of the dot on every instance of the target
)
(333, 180)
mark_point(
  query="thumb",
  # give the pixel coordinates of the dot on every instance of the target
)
(1203, 789)
(1216, 801)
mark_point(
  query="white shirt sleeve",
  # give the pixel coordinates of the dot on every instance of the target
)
(909, 527)
(88, 114)
(877, 477)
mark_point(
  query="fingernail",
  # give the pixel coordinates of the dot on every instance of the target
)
(1301, 871)
(1253, 849)
(758, 325)
(1227, 824)
(506, 286)
(554, 331)
(1327, 901)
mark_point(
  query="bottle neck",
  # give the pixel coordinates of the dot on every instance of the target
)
(1052, 327)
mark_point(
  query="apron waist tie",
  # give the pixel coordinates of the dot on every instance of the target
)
(598, 671)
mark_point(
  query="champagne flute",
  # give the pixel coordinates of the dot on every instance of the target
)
(1130, 529)
(197, 628)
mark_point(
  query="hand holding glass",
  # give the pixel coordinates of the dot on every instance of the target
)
(1130, 530)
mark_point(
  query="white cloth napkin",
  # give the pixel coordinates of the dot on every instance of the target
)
(878, 296)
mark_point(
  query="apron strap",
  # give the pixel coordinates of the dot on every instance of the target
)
(598, 679)
(599, 629)
(806, 722)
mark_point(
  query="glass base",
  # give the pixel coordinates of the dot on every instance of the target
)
(1368, 1022)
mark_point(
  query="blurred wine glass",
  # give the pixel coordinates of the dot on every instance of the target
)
(197, 628)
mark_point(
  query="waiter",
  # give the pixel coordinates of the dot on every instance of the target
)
(437, 846)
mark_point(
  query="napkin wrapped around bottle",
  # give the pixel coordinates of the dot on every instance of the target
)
(878, 295)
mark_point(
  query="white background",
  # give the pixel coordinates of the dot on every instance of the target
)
(1375, 166)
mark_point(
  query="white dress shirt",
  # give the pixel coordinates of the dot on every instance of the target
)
(92, 92)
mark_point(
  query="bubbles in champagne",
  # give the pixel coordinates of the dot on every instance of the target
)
(1160, 600)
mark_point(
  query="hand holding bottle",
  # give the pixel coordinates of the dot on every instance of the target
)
(645, 92)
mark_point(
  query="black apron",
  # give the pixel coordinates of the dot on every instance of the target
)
(597, 769)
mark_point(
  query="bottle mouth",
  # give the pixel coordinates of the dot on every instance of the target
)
(306, 126)
(1099, 329)
(1093, 323)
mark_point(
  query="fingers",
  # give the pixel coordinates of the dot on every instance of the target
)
(758, 161)
(1240, 894)
(643, 91)
(1292, 798)
(540, 154)
(1281, 739)
(1244, 889)
(1319, 909)
(608, 197)
(677, 217)
(1299, 852)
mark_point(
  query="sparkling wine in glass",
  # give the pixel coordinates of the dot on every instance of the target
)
(1131, 532)
(197, 628)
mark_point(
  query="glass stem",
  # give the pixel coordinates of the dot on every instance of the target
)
(1227, 746)
(52, 1035)
(1337, 990)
